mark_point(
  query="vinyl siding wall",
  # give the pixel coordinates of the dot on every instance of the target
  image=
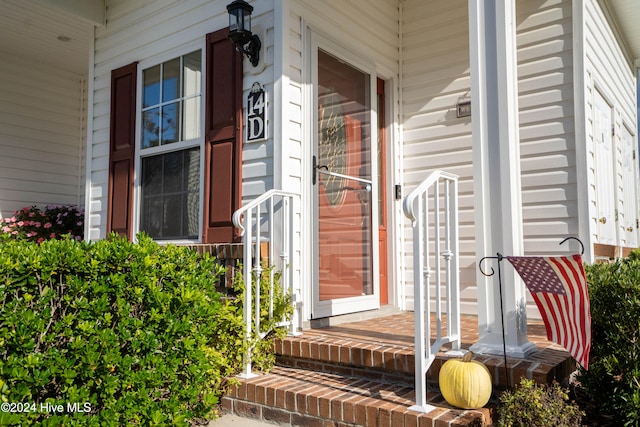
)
(547, 133)
(608, 70)
(42, 140)
(435, 77)
(154, 31)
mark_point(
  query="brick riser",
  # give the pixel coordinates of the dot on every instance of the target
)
(300, 397)
(394, 363)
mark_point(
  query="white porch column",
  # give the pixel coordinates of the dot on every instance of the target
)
(496, 173)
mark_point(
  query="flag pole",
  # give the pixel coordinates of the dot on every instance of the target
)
(499, 257)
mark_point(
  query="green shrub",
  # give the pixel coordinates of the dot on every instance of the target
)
(131, 333)
(613, 378)
(271, 315)
(534, 405)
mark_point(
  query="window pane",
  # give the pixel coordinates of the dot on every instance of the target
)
(152, 175)
(172, 172)
(191, 73)
(171, 195)
(170, 123)
(191, 123)
(172, 224)
(151, 217)
(151, 89)
(171, 80)
(151, 128)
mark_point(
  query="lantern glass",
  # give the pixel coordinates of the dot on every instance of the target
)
(240, 30)
(240, 16)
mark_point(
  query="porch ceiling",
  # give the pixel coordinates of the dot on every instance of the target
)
(32, 30)
(627, 15)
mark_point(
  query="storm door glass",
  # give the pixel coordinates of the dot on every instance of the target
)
(343, 180)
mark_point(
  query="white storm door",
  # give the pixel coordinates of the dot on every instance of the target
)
(344, 164)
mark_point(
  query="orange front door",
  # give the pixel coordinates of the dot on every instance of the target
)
(382, 195)
(343, 183)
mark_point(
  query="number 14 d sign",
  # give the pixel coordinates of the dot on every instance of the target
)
(256, 114)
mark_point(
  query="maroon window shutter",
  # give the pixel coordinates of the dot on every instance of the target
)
(223, 139)
(122, 150)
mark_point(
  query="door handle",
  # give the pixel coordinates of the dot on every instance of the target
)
(316, 166)
(603, 220)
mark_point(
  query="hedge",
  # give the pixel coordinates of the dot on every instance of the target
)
(112, 333)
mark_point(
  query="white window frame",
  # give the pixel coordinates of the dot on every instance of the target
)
(172, 147)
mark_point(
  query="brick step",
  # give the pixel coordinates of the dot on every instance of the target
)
(301, 397)
(364, 369)
(394, 360)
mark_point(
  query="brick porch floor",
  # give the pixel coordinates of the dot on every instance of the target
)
(361, 374)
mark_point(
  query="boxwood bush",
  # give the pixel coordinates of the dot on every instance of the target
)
(613, 378)
(112, 333)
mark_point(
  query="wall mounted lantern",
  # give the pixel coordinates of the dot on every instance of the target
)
(240, 30)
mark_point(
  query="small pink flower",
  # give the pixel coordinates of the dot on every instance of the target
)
(52, 235)
(79, 223)
(37, 224)
(21, 224)
(14, 232)
(6, 229)
(47, 225)
(40, 240)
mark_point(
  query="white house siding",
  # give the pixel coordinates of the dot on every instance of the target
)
(547, 134)
(435, 64)
(41, 135)
(610, 72)
(157, 30)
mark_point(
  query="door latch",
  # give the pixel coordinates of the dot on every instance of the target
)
(316, 166)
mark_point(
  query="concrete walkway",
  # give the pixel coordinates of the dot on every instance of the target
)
(231, 420)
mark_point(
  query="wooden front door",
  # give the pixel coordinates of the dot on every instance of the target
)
(382, 195)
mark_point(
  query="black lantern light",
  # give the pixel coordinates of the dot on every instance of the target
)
(240, 30)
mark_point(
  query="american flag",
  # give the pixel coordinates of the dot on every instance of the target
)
(559, 288)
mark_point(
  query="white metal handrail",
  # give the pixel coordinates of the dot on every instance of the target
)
(269, 216)
(439, 187)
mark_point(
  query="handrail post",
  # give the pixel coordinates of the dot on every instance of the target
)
(247, 273)
(252, 228)
(417, 209)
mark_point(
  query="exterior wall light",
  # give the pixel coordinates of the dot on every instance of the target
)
(240, 30)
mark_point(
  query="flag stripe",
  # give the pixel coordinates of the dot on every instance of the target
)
(578, 283)
(569, 312)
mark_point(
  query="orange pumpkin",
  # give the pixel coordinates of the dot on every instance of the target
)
(465, 383)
